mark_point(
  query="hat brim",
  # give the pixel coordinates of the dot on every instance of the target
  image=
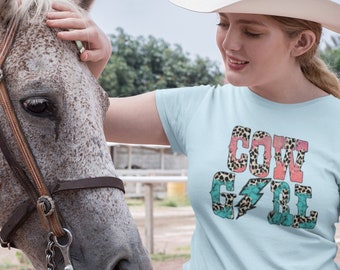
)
(325, 12)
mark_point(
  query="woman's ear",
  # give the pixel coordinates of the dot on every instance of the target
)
(303, 42)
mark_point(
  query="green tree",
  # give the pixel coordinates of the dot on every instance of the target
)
(331, 56)
(140, 64)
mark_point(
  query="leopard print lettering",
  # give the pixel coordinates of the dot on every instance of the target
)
(260, 138)
(239, 133)
(290, 145)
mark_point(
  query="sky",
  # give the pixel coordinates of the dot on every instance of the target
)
(195, 32)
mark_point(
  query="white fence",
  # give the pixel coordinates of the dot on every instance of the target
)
(148, 182)
(147, 178)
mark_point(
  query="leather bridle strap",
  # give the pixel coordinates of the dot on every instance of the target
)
(17, 170)
(51, 217)
(25, 209)
(16, 220)
(89, 183)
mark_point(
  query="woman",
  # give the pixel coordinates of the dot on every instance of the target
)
(263, 150)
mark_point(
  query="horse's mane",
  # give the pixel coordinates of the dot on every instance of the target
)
(23, 8)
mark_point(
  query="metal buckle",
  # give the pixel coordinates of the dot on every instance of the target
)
(5, 244)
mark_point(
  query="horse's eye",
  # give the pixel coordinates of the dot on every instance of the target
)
(39, 106)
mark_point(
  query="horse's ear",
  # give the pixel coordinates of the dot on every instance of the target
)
(85, 4)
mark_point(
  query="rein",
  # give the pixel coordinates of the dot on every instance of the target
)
(31, 179)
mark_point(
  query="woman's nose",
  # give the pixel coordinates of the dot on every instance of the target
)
(231, 40)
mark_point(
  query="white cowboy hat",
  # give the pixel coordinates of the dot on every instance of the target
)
(326, 12)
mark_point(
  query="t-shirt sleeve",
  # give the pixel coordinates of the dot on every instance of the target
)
(176, 107)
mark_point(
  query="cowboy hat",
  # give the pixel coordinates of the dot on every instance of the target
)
(325, 12)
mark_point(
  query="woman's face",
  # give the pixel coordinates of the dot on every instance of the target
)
(255, 51)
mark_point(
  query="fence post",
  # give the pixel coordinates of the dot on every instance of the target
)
(148, 200)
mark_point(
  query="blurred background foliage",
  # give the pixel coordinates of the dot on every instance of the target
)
(141, 64)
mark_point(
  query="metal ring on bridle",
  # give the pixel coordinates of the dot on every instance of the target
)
(46, 205)
(69, 239)
(65, 248)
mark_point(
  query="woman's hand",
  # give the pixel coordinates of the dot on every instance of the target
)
(81, 28)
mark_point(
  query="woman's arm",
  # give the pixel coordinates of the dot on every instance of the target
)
(97, 45)
(134, 120)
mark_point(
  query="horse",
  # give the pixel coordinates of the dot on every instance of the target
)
(71, 203)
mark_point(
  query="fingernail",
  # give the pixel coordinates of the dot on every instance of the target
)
(84, 56)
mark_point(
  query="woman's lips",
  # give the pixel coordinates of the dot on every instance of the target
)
(236, 64)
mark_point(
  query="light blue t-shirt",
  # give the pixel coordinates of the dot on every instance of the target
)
(263, 177)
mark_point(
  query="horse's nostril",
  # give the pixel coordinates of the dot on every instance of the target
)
(121, 265)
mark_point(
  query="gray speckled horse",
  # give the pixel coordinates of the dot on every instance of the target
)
(61, 107)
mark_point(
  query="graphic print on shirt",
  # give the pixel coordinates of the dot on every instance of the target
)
(224, 204)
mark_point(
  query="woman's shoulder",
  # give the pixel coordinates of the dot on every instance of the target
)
(331, 104)
(200, 91)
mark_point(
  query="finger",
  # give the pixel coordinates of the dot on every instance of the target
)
(61, 15)
(61, 10)
(89, 35)
(68, 23)
(82, 35)
(91, 55)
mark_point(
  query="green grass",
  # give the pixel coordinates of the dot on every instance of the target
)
(134, 202)
(15, 267)
(22, 258)
(23, 263)
(161, 257)
(184, 250)
(6, 266)
(174, 202)
(167, 202)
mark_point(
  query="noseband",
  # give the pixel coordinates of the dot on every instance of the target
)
(29, 175)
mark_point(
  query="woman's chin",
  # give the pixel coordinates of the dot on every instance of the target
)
(235, 82)
(234, 79)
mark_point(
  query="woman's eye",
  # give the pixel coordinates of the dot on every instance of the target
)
(252, 34)
(39, 106)
(223, 25)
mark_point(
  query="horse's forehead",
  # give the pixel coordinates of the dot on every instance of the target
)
(37, 54)
(37, 48)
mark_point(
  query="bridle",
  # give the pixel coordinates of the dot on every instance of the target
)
(30, 177)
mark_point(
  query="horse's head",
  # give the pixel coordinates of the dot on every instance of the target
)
(61, 108)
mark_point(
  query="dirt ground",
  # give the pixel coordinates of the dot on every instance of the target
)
(9, 261)
(173, 227)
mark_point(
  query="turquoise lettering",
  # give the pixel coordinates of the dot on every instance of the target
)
(222, 202)
(281, 198)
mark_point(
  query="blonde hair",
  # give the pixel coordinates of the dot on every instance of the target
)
(22, 9)
(312, 66)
